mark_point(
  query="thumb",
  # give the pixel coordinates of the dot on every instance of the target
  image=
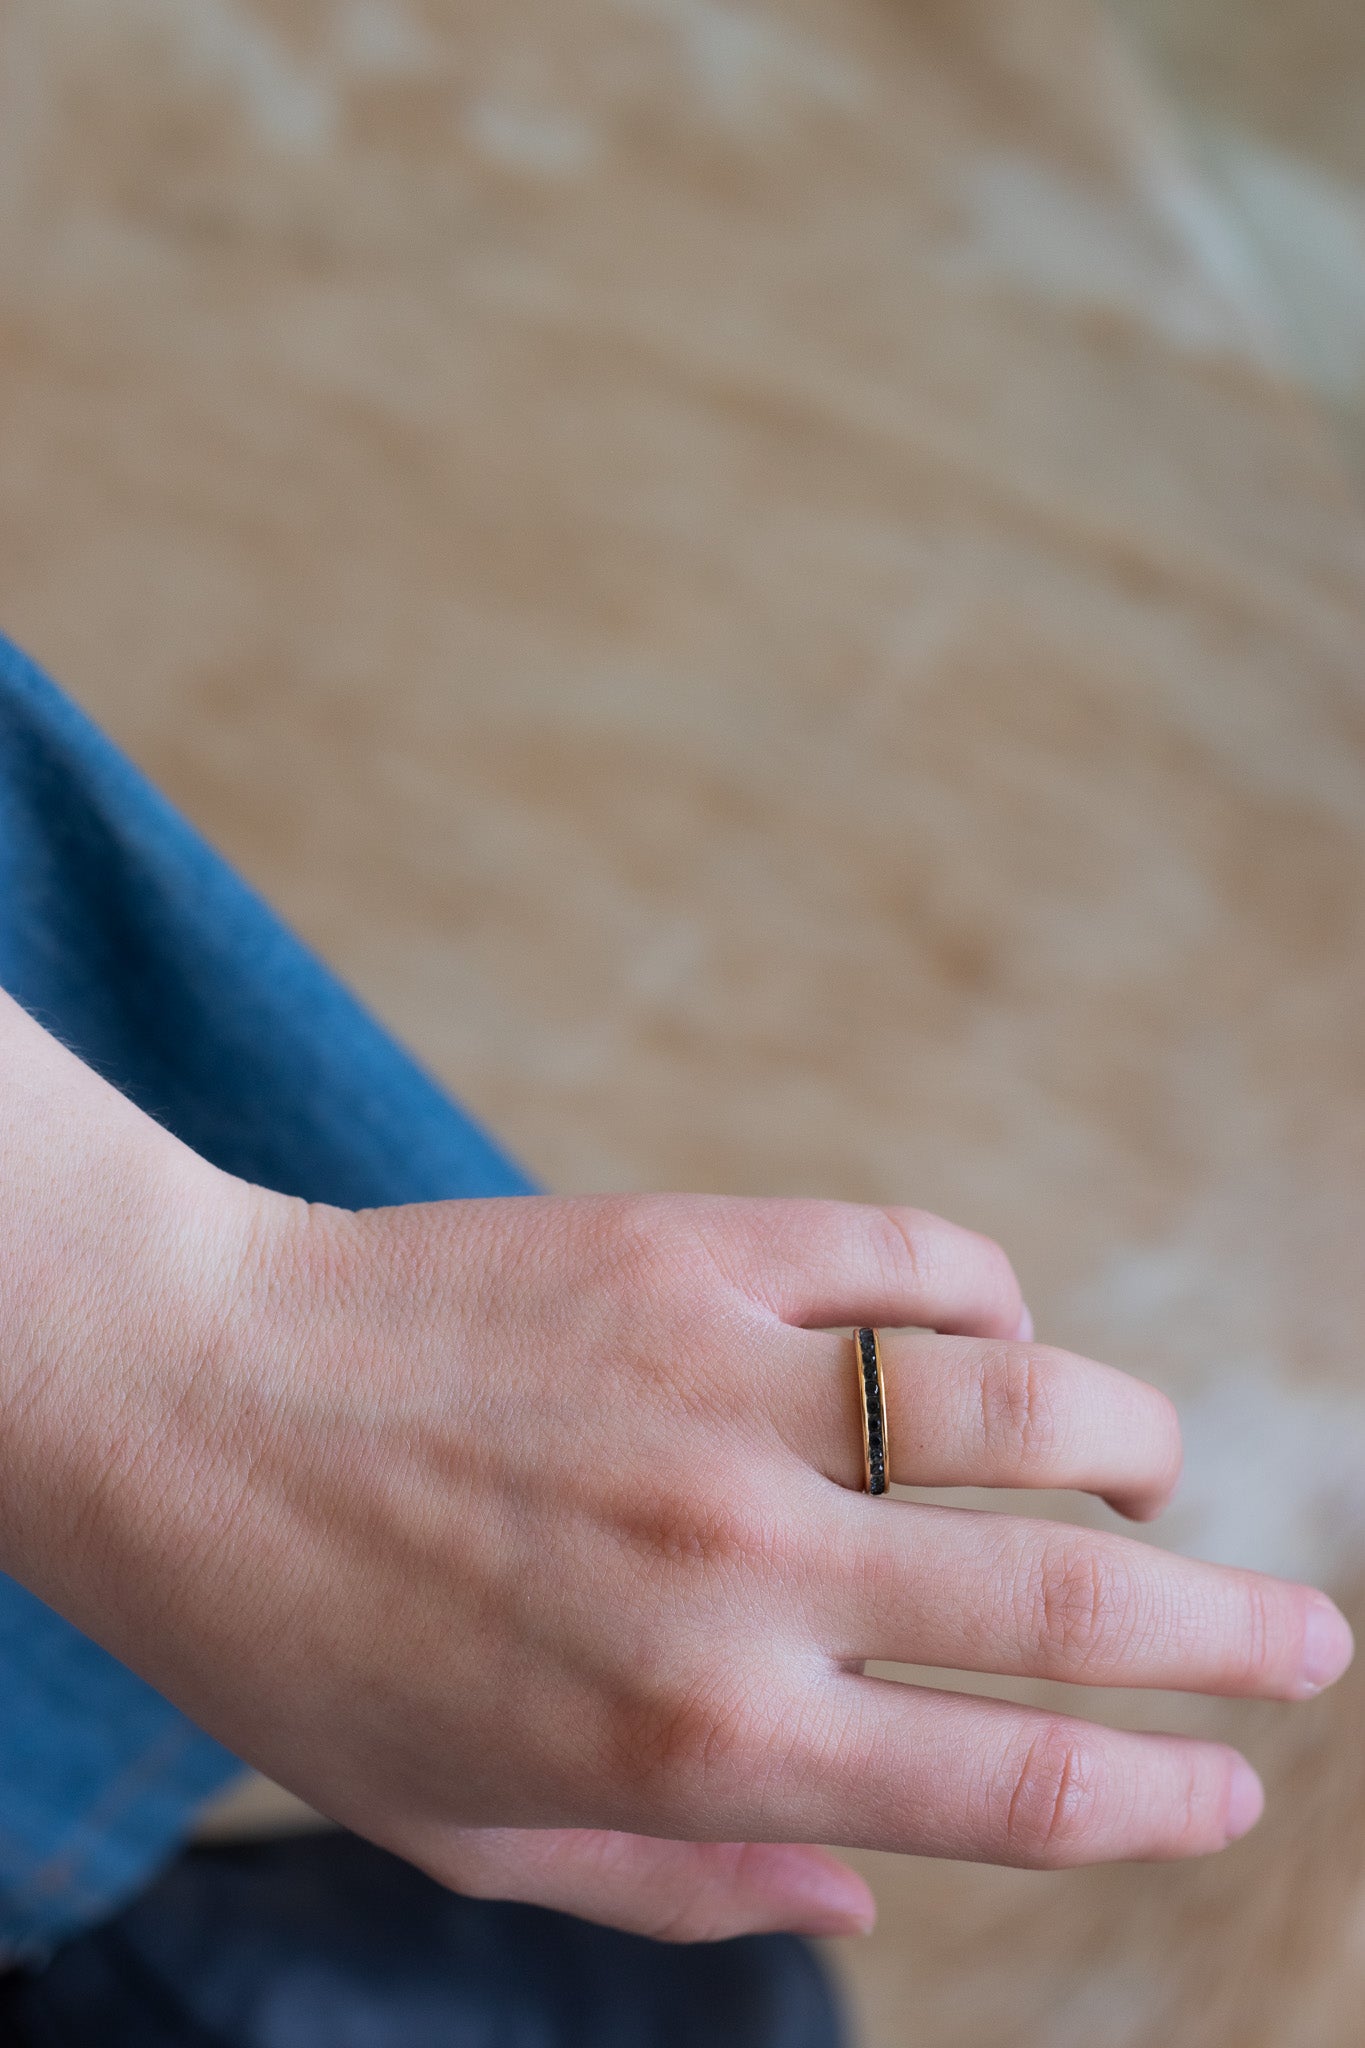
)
(675, 1891)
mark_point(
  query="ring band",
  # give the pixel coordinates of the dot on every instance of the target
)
(872, 1402)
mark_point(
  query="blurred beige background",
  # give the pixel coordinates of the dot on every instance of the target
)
(1272, 98)
(623, 517)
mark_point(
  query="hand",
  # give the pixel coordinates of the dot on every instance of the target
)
(522, 1537)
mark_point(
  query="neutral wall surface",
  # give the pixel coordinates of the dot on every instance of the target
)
(637, 522)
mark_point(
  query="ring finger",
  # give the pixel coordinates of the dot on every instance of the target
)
(964, 1411)
(974, 1591)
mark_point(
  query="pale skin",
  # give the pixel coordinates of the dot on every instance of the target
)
(525, 1537)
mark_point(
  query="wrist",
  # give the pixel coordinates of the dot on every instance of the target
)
(122, 1261)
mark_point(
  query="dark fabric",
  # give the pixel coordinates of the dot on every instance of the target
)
(325, 1942)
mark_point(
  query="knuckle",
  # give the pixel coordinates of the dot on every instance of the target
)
(1259, 1656)
(1191, 1817)
(905, 1245)
(1171, 1452)
(996, 1265)
(1084, 1607)
(682, 1745)
(1021, 1406)
(685, 1922)
(1053, 1795)
(929, 1258)
(650, 1241)
(731, 1533)
(699, 1912)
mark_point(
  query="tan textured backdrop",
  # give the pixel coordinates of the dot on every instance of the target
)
(1272, 94)
(637, 519)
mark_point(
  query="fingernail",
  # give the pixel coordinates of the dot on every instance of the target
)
(833, 1926)
(1246, 1801)
(1024, 1333)
(1328, 1645)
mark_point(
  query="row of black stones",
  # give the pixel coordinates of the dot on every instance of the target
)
(872, 1401)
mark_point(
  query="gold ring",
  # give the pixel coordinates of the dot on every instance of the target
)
(872, 1402)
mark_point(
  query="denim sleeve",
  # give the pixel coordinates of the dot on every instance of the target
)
(131, 940)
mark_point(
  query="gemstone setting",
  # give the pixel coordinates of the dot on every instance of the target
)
(875, 1453)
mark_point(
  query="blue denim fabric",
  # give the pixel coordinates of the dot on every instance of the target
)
(124, 934)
